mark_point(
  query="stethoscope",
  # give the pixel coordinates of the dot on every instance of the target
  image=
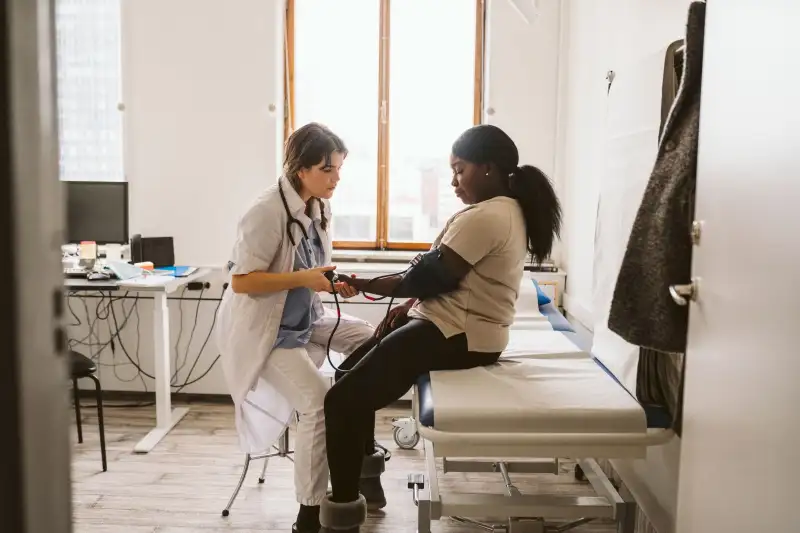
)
(291, 220)
(330, 277)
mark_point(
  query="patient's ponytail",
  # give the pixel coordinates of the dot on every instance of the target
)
(540, 207)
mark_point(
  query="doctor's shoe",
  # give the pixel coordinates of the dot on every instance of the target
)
(342, 517)
(370, 483)
(307, 520)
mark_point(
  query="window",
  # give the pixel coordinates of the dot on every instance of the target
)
(399, 80)
(88, 69)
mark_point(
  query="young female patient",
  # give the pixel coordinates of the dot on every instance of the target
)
(462, 321)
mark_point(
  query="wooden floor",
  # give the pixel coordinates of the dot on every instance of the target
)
(185, 482)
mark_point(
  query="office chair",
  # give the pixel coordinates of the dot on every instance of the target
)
(80, 367)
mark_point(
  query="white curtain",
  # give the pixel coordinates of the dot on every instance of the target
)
(528, 9)
(632, 126)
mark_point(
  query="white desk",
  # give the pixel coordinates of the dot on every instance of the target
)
(159, 287)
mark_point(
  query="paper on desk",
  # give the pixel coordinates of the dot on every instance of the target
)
(148, 281)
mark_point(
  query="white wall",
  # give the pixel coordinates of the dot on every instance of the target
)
(522, 78)
(199, 77)
(603, 36)
(201, 142)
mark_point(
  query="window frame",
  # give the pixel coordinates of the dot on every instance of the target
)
(382, 241)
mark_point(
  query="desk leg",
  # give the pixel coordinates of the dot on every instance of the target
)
(166, 417)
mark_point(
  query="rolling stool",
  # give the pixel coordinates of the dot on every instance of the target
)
(282, 450)
(80, 367)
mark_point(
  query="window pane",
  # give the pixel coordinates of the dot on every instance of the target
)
(88, 69)
(432, 95)
(336, 83)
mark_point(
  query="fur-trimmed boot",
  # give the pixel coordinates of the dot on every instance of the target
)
(342, 517)
(370, 483)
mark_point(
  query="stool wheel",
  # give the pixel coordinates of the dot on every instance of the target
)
(225, 512)
(580, 475)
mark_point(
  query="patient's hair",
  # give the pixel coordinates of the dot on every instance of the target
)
(489, 145)
(307, 146)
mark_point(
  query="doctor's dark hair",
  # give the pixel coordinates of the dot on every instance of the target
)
(307, 146)
(489, 145)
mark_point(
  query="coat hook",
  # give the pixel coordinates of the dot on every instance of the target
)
(610, 77)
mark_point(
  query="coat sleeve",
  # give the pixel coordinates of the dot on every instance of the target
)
(258, 239)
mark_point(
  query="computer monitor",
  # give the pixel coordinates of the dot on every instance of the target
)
(97, 211)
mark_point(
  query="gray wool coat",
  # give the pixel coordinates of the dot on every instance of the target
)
(659, 251)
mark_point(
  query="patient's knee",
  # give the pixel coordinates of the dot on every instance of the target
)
(339, 403)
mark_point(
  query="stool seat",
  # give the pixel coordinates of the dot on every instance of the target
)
(81, 366)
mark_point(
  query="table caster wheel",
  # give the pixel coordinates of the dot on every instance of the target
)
(404, 438)
(580, 475)
(226, 512)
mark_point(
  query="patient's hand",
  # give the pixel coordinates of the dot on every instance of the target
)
(344, 290)
(397, 317)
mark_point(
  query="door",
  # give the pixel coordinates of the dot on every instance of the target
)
(740, 448)
(35, 492)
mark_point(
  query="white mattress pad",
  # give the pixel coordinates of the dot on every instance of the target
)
(526, 310)
(526, 343)
(549, 395)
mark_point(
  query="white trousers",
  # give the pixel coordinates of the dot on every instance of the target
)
(295, 374)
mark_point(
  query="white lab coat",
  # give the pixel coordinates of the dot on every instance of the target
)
(247, 325)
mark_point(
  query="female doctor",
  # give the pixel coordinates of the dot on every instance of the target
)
(273, 328)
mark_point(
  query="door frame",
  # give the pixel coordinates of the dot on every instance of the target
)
(34, 404)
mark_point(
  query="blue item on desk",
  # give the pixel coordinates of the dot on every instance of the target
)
(177, 271)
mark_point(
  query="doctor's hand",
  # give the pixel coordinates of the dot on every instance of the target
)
(314, 279)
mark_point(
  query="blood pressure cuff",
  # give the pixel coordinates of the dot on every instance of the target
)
(427, 277)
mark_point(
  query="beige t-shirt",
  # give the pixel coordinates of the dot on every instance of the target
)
(491, 237)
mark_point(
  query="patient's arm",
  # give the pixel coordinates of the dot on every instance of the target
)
(452, 270)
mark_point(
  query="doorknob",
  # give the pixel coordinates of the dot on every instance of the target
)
(682, 294)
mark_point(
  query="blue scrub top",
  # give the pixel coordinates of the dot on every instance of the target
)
(302, 307)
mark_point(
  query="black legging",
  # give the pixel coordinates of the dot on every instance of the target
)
(379, 376)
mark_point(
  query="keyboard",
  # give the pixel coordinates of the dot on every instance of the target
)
(75, 272)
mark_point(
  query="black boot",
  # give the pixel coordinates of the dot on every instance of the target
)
(342, 517)
(370, 483)
(307, 520)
